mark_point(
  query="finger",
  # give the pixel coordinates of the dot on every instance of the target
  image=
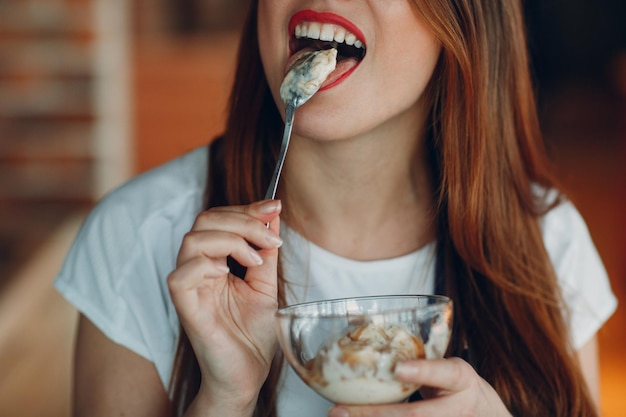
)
(439, 407)
(249, 222)
(443, 406)
(264, 277)
(262, 211)
(196, 273)
(387, 410)
(274, 225)
(250, 229)
(218, 244)
(451, 374)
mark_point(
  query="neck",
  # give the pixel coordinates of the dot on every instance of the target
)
(365, 198)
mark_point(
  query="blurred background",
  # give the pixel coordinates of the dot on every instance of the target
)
(93, 92)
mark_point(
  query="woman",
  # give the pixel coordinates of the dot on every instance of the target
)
(420, 163)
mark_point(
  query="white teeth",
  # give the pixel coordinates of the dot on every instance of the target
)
(313, 32)
(327, 32)
(340, 36)
(350, 39)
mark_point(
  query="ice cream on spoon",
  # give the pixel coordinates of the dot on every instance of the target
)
(307, 73)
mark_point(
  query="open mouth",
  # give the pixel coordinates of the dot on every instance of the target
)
(311, 35)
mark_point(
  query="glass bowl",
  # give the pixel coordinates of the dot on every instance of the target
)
(347, 349)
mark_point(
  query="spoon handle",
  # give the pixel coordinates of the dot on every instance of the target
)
(271, 189)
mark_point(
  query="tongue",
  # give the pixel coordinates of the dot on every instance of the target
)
(343, 67)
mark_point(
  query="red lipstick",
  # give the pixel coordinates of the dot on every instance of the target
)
(346, 66)
(324, 17)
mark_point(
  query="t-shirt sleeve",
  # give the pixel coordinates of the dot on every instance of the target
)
(581, 274)
(115, 274)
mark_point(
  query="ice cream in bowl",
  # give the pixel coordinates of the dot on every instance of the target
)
(347, 349)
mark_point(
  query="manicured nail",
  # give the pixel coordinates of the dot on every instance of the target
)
(274, 240)
(338, 412)
(223, 268)
(270, 206)
(255, 257)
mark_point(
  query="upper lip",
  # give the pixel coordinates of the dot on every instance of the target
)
(324, 17)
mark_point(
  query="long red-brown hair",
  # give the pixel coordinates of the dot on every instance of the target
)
(488, 162)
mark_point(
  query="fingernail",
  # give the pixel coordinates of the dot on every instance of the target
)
(274, 240)
(255, 257)
(407, 370)
(338, 412)
(223, 268)
(270, 206)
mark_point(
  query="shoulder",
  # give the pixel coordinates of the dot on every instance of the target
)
(580, 271)
(566, 237)
(115, 272)
(563, 225)
(181, 179)
(148, 210)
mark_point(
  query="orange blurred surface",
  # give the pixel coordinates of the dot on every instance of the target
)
(180, 92)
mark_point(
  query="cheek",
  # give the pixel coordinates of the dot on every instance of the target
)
(410, 73)
(410, 49)
(407, 63)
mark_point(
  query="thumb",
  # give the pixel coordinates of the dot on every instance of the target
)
(264, 278)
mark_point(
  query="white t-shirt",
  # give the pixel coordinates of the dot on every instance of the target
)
(116, 270)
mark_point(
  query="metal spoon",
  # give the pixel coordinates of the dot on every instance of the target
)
(302, 81)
